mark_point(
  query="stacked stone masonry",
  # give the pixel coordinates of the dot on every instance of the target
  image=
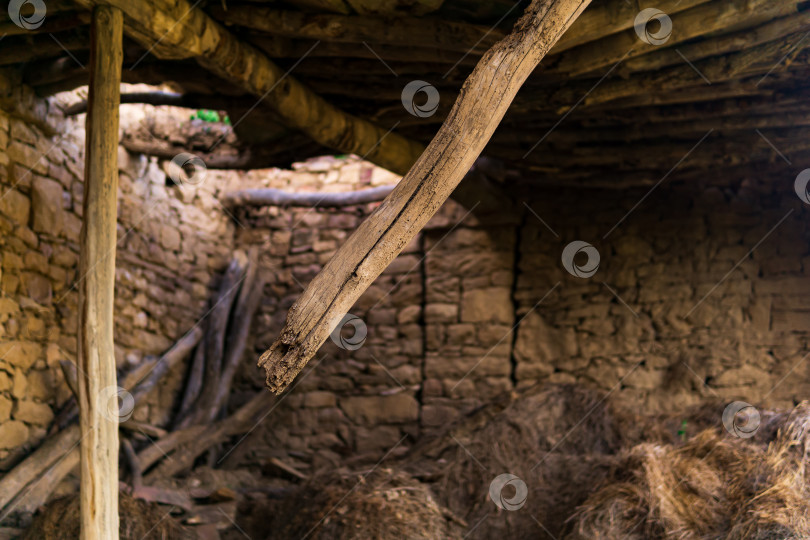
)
(680, 309)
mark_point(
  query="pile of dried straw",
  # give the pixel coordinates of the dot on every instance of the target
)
(558, 439)
(714, 486)
(596, 469)
(59, 520)
(375, 505)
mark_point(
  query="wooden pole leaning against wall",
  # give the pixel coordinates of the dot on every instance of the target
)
(97, 385)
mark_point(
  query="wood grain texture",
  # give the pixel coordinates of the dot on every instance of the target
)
(24, 474)
(484, 99)
(96, 369)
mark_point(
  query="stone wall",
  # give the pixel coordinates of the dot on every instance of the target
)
(441, 318)
(172, 242)
(347, 400)
(700, 292)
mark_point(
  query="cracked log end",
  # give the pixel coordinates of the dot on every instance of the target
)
(283, 363)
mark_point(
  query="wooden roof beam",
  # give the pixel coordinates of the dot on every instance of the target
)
(20, 49)
(717, 45)
(176, 29)
(733, 75)
(760, 59)
(612, 16)
(282, 47)
(371, 7)
(393, 7)
(687, 129)
(736, 149)
(405, 31)
(688, 24)
(55, 22)
(599, 21)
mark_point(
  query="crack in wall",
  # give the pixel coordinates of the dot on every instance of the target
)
(422, 323)
(515, 303)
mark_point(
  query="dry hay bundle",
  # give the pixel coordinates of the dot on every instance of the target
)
(714, 486)
(378, 505)
(676, 425)
(59, 520)
(558, 439)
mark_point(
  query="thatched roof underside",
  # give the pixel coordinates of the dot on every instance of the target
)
(604, 108)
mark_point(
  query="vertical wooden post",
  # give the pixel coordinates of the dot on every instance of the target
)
(97, 377)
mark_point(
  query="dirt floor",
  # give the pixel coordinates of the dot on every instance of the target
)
(583, 467)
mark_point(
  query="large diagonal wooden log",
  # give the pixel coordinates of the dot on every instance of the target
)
(177, 29)
(483, 101)
(96, 358)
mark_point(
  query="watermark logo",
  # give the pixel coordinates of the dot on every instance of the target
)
(429, 107)
(356, 339)
(496, 492)
(27, 21)
(644, 25)
(800, 185)
(741, 419)
(116, 404)
(585, 270)
(187, 168)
